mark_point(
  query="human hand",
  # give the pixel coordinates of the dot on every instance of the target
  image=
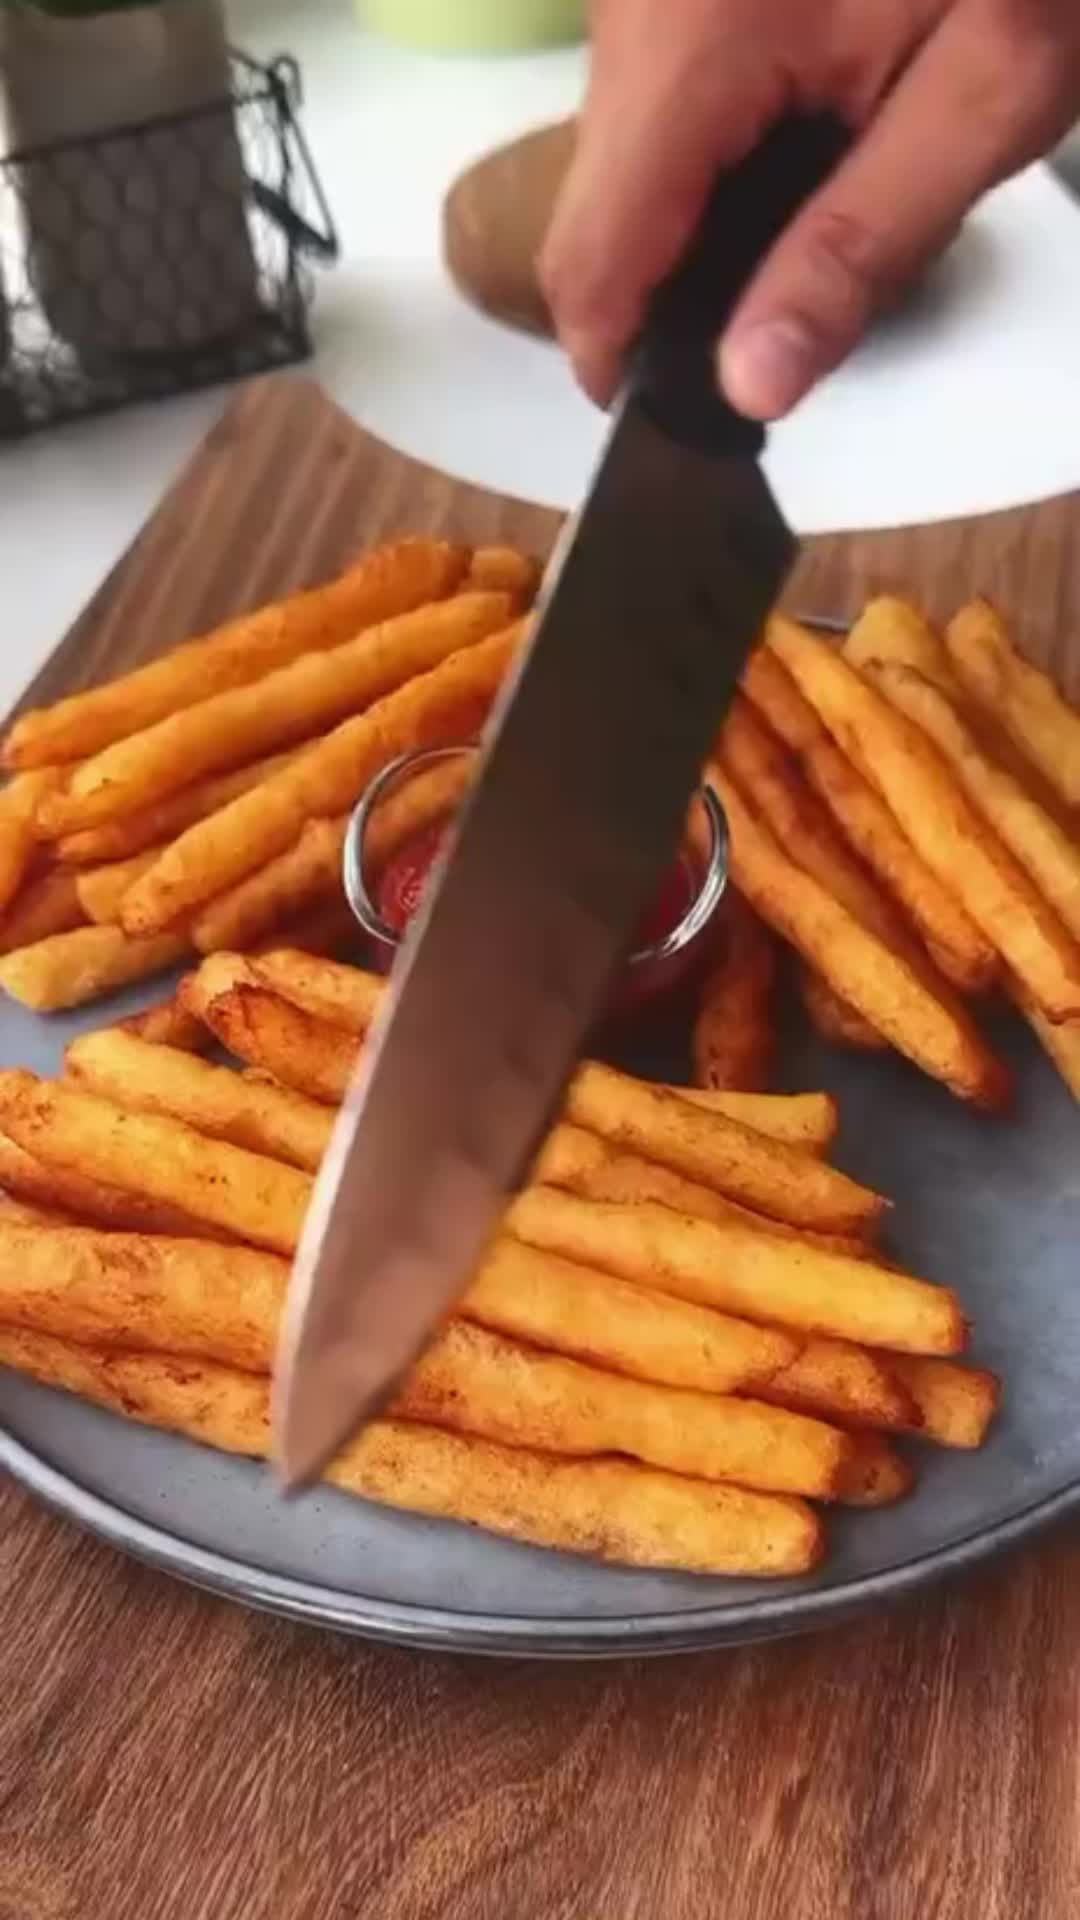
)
(946, 98)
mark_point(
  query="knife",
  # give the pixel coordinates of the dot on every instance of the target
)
(650, 606)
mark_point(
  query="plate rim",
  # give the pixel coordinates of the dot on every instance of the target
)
(575, 1637)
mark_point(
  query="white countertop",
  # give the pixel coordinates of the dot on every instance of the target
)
(970, 401)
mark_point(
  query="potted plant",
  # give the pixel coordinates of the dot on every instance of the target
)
(130, 173)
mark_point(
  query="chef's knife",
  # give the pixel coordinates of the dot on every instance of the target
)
(649, 609)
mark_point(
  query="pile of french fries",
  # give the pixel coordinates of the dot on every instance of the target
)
(200, 802)
(681, 1338)
(903, 814)
(684, 1342)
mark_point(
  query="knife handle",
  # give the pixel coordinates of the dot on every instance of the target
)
(673, 374)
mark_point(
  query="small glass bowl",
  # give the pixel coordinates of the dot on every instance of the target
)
(648, 974)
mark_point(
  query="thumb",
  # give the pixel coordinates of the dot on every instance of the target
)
(655, 132)
(970, 110)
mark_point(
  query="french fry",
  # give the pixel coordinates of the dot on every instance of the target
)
(135, 1074)
(583, 1163)
(734, 1033)
(774, 786)
(831, 1017)
(18, 846)
(1047, 853)
(292, 704)
(66, 1191)
(885, 989)
(504, 570)
(878, 1476)
(168, 1024)
(430, 795)
(952, 939)
(721, 1153)
(1060, 1042)
(615, 1509)
(740, 1270)
(806, 1120)
(266, 1031)
(475, 1381)
(228, 1188)
(21, 796)
(848, 1384)
(890, 628)
(157, 825)
(956, 1404)
(304, 875)
(46, 905)
(69, 969)
(196, 1299)
(1017, 696)
(962, 850)
(101, 889)
(574, 1310)
(438, 708)
(19, 1213)
(345, 997)
(388, 581)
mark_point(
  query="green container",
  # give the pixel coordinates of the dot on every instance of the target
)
(477, 26)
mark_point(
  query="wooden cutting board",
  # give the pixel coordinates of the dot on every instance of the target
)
(165, 1754)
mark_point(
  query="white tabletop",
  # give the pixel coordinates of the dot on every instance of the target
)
(970, 401)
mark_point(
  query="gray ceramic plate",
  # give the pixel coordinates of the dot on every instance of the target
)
(994, 1208)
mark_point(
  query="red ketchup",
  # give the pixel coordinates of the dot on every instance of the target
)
(401, 886)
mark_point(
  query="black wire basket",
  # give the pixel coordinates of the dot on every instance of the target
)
(160, 257)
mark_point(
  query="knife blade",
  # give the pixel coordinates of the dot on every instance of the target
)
(649, 608)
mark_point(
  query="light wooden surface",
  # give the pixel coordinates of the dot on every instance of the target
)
(165, 1756)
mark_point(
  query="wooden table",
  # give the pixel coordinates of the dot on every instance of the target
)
(166, 1756)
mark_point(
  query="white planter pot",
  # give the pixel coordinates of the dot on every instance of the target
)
(137, 235)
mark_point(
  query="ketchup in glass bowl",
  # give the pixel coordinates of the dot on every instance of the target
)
(397, 832)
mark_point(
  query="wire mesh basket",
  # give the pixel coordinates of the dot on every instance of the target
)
(159, 257)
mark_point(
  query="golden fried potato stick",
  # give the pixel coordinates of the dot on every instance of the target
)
(878, 1476)
(135, 1074)
(101, 889)
(69, 969)
(504, 570)
(388, 581)
(837, 1022)
(839, 1381)
(951, 938)
(168, 1024)
(478, 1382)
(156, 826)
(21, 796)
(734, 1033)
(66, 1191)
(1017, 696)
(18, 846)
(615, 1509)
(202, 1300)
(265, 1031)
(956, 1404)
(774, 786)
(806, 1120)
(346, 997)
(926, 798)
(237, 1192)
(20, 1213)
(891, 628)
(288, 706)
(45, 905)
(940, 1039)
(439, 708)
(742, 1165)
(307, 874)
(1049, 855)
(740, 1270)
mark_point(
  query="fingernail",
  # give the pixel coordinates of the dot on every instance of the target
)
(594, 362)
(766, 368)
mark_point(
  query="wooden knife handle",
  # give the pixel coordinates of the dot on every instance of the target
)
(673, 371)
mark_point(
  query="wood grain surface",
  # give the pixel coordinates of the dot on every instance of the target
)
(166, 1756)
